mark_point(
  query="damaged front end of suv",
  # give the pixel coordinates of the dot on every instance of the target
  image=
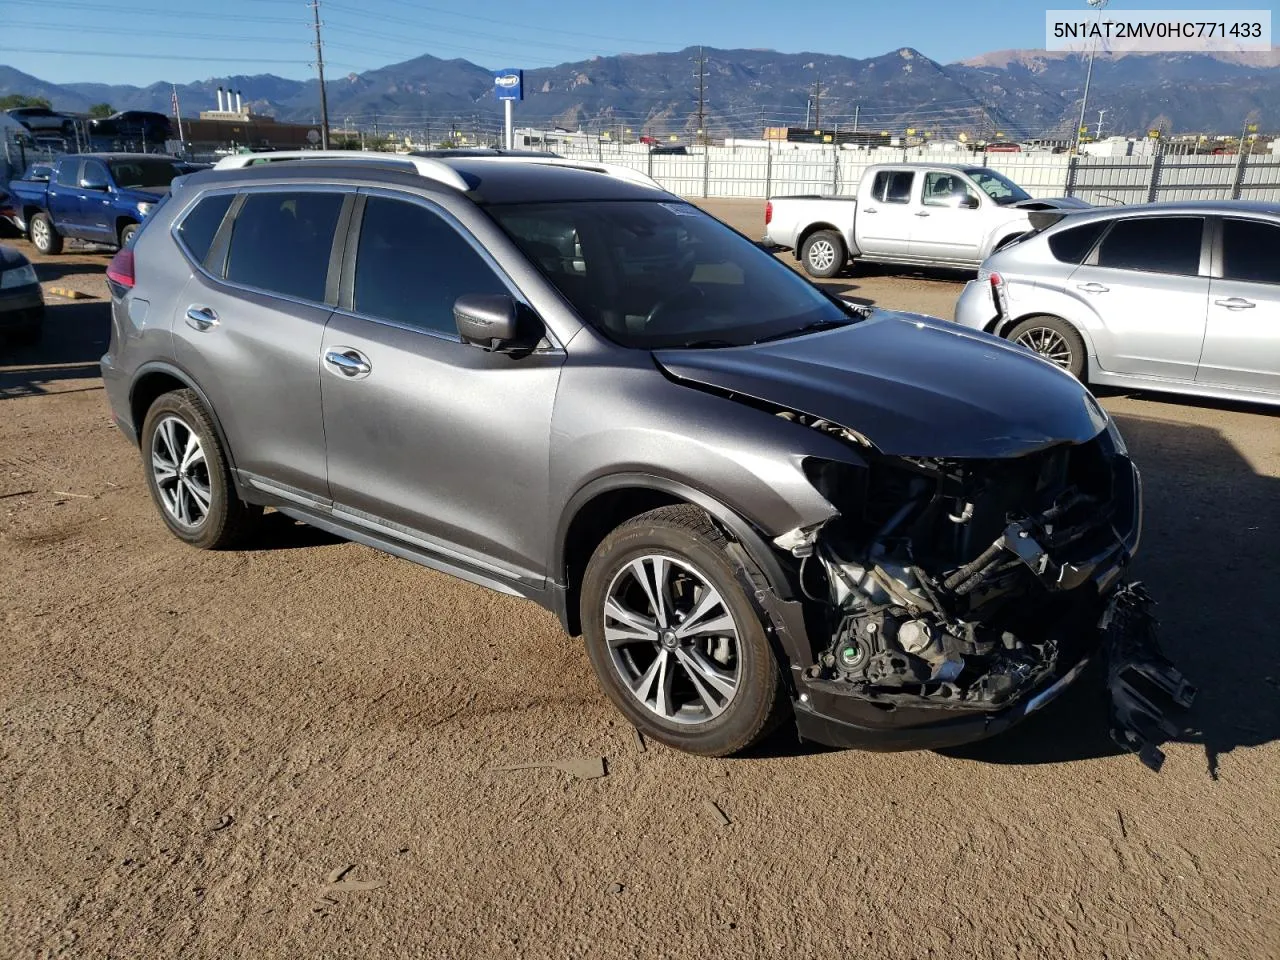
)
(974, 562)
(962, 595)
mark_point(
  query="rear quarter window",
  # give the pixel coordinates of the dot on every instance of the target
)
(1073, 244)
(200, 225)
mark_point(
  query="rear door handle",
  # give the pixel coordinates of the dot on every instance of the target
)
(922, 213)
(1236, 303)
(201, 318)
(869, 210)
(1092, 287)
(347, 361)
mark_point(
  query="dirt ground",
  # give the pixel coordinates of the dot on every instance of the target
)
(194, 746)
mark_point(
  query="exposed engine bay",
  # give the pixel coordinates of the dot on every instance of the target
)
(965, 585)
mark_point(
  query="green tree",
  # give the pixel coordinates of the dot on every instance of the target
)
(101, 110)
(15, 100)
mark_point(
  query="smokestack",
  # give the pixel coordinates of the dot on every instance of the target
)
(220, 100)
(239, 107)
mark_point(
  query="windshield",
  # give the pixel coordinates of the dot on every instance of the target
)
(997, 186)
(653, 274)
(143, 173)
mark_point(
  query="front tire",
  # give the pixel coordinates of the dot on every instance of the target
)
(126, 234)
(189, 476)
(675, 641)
(43, 236)
(1054, 339)
(823, 254)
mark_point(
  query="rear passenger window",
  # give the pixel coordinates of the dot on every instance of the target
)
(1073, 245)
(412, 265)
(68, 174)
(281, 242)
(1249, 251)
(200, 225)
(1154, 244)
(893, 186)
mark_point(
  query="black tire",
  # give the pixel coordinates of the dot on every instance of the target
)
(1038, 334)
(126, 234)
(228, 520)
(686, 534)
(44, 238)
(823, 254)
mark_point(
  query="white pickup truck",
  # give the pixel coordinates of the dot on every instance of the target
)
(922, 214)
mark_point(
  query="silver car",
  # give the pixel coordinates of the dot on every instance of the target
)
(1183, 297)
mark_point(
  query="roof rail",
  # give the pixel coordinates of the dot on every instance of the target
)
(610, 169)
(426, 167)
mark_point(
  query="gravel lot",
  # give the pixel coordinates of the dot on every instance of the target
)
(195, 746)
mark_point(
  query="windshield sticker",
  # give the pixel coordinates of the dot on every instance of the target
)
(681, 209)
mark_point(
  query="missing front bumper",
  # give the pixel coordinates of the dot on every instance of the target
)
(1142, 683)
(1142, 686)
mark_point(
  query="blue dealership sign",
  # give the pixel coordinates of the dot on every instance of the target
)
(508, 84)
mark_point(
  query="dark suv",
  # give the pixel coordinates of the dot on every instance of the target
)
(556, 380)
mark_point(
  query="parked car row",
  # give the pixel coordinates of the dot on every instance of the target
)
(138, 125)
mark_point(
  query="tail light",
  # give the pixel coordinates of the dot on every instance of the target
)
(120, 269)
(999, 295)
(768, 213)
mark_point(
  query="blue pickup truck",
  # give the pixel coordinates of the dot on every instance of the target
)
(99, 197)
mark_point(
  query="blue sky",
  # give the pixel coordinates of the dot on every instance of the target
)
(141, 41)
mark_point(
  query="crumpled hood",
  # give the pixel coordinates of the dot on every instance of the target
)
(912, 385)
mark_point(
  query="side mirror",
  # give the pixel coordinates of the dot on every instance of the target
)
(494, 323)
(98, 185)
(970, 202)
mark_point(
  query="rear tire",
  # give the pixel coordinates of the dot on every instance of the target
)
(823, 254)
(1054, 339)
(189, 476)
(716, 690)
(43, 236)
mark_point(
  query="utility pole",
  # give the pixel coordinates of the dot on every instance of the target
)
(817, 102)
(1093, 50)
(1098, 135)
(702, 96)
(324, 100)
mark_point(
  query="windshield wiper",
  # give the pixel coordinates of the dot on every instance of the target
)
(700, 344)
(807, 328)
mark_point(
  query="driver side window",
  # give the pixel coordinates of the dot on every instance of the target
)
(946, 190)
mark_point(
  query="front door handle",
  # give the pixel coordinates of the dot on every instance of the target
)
(1236, 303)
(922, 213)
(869, 210)
(201, 318)
(1092, 287)
(348, 362)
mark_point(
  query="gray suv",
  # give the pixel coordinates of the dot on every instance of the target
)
(754, 501)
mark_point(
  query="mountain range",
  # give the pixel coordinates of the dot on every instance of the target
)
(1022, 93)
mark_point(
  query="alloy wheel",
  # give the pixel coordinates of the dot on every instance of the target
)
(1049, 344)
(822, 254)
(39, 234)
(181, 472)
(672, 639)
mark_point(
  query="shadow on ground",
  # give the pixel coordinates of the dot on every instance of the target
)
(1209, 558)
(48, 270)
(76, 336)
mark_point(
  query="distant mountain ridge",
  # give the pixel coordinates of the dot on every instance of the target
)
(1019, 92)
